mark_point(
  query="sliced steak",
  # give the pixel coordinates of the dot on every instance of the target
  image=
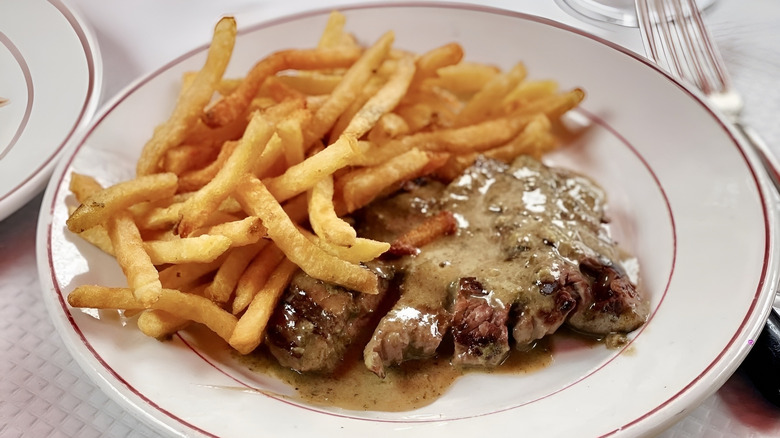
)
(527, 236)
(316, 322)
(611, 304)
(479, 327)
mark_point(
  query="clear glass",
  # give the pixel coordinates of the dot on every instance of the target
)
(621, 12)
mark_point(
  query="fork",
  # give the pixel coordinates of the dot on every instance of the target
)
(676, 38)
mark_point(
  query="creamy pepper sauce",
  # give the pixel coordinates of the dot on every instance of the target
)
(412, 385)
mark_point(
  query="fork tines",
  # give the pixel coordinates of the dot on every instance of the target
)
(678, 40)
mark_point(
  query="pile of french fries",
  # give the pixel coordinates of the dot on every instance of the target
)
(251, 179)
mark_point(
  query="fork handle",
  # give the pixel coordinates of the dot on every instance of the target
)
(762, 364)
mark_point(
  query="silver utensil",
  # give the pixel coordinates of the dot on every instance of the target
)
(676, 38)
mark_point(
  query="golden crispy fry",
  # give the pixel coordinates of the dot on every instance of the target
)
(429, 63)
(83, 186)
(98, 236)
(192, 101)
(100, 206)
(255, 276)
(291, 135)
(160, 324)
(362, 250)
(348, 89)
(187, 275)
(187, 157)
(388, 127)
(226, 278)
(258, 201)
(384, 100)
(187, 306)
(361, 186)
(312, 83)
(431, 229)
(197, 209)
(142, 276)
(240, 232)
(201, 249)
(334, 30)
(101, 297)
(373, 85)
(196, 179)
(528, 91)
(464, 78)
(535, 140)
(250, 329)
(322, 215)
(303, 176)
(231, 107)
(487, 102)
(478, 137)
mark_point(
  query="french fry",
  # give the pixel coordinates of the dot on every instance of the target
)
(348, 89)
(334, 30)
(429, 63)
(384, 100)
(429, 230)
(226, 278)
(388, 127)
(192, 101)
(233, 105)
(196, 179)
(187, 275)
(255, 276)
(363, 185)
(323, 218)
(142, 276)
(362, 250)
(487, 102)
(464, 78)
(257, 200)
(303, 176)
(201, 249)
(187, 157)
(160, 324)
(242, 232)
(312, 83)
(196, 209)
(98, 236)
(83, 186)
(186, 306)
(250, 328)
(535, 140)
(100, 206)
(291, 136)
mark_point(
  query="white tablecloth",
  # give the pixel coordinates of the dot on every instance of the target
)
(43, 392)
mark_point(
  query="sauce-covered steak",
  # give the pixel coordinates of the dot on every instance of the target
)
(531, 253)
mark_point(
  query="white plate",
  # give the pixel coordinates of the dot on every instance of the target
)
(51, 78)
(685, 197)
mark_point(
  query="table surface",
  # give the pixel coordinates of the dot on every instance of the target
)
(43, 392)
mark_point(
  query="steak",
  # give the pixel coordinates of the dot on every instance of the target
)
(479, 327)
(531, 253)
(315, 323)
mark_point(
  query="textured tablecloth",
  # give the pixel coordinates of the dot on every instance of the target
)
(43, 392)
